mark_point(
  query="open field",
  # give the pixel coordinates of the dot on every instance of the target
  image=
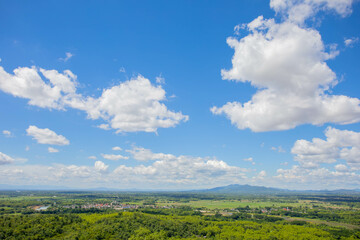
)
(230, 204)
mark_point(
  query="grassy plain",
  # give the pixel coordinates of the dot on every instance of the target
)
(230, 204)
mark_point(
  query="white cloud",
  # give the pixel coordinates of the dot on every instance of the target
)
(317, 157)
(46, 136)
(27, 83)
(100, 166)
(5, 159)
(104, 126)
(339, 144)
(68, 56)
(318, 178)
(7, 133)
(122, 69)
(278, 149)
(114, 157)
(183, 171)
(349, 42)
(142, 154)
(66, 81)
(92, 157)
(133, 105)
(52, 150)
(262, 174)
(250, 159)
(341, 168)
(287, 63)
(55, 175)
(116, 148)
(300, 10)
(27, 148)
(160, 79)
(180, 172)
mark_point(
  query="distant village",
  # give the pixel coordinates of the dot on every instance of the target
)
(124, 206)
(113, 205)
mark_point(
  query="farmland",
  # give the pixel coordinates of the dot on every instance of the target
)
(163, 215)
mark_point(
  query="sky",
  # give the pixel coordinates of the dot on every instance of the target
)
(177, 95)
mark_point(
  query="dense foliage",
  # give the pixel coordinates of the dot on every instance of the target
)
(144, 216)
(137, 225)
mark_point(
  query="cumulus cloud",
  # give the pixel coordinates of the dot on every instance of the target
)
(178, 172)
(46, 136)
(116, 148)
(68, 55)
(143, 154)
(133, 105)
(317, 159)
(339, 144)
(52, 150)
(56, 174)
(287, 63)
(5, 159)
(341, 168)
(261, 175)
(114, 157)
(319, 178)
(183, 170)
(27, 83)
(100, 166)
(300, 10)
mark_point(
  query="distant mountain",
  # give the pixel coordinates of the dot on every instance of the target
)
(248, 189)
(244, 189)
(230, 189)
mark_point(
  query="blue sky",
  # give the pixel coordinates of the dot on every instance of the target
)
(193, 94)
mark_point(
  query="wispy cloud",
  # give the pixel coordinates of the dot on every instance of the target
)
(7, 133)
(5, 159)
(52, 150)
(116, 148)
(160, 79)
(68, 56)
(349, 42)
(114, 157)
(278, 149)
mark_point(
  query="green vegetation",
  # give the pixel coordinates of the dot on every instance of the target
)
(114, 215)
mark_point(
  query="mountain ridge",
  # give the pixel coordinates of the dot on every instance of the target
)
(246, 188)
(228, 189)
